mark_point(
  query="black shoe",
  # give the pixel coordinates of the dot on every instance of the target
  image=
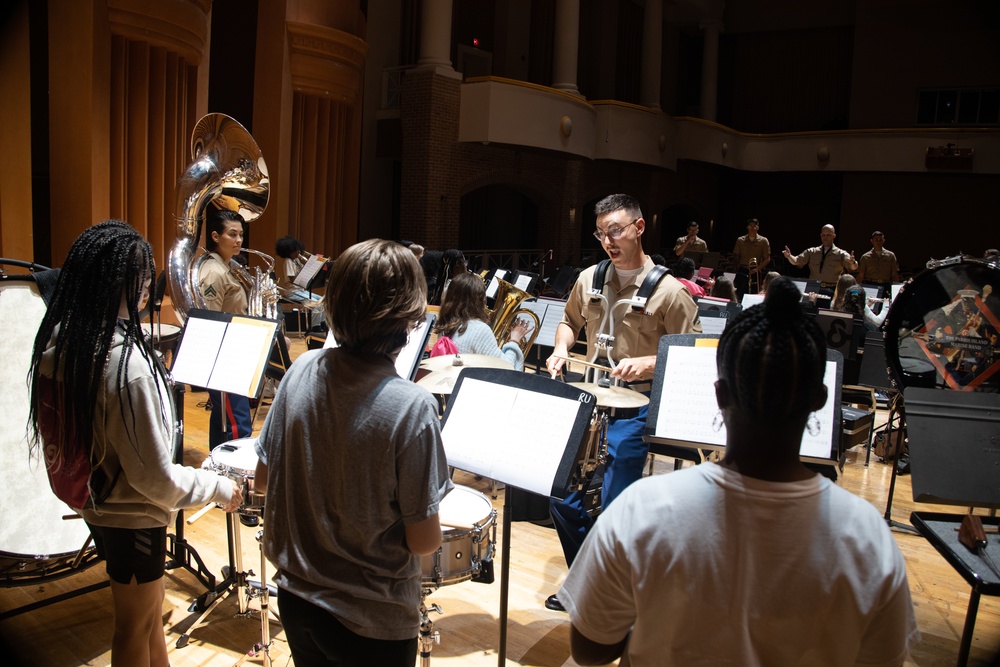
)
(903, 466)
(553, 603)
(249, 520)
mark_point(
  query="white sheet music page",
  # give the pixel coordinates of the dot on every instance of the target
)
(309, 271)
(242, 356)
(523, 282)
(491, 289)
(553, 316)
(196, 357)
(508, 434)
(688, 406)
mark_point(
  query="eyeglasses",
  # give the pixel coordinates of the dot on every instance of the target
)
(613, 233)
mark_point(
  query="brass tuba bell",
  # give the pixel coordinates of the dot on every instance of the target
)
(229, 172)
(507, 309)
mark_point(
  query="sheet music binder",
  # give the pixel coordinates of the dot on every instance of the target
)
(224, 351)
(954, 446)
(682, 403)
(522, 429)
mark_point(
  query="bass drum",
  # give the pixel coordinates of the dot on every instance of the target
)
(943, 329)
(36, 543)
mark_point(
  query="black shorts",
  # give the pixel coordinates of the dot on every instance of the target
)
(132, 553)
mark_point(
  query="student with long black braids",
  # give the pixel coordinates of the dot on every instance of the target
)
(755, 560)
(102, 415)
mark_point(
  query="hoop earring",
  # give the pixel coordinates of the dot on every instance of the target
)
(718, 422)
(813, 425)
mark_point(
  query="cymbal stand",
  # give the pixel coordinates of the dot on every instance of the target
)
(428, 636)
(235, 579)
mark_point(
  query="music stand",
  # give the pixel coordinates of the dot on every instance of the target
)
(538, 452)
(954, 461)
(682, 403)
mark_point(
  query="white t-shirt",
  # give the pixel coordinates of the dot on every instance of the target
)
(708, 567)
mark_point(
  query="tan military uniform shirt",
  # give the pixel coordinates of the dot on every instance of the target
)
(698, 245)
(827, 270)
(878, 267)
(220, 288)
(747, 249)
(670, 310)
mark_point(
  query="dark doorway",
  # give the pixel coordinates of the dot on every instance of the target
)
(498, 217)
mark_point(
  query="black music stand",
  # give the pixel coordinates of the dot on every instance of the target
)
(682, 403)
(509, 455)
(954, 461)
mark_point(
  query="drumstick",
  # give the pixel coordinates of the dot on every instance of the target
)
(460, 526)
(200, 513)
(585, 363)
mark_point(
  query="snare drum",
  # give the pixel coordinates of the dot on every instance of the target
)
(467, 517)
(237, 460)
(943, 328)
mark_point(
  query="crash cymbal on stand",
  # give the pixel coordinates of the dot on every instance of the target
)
(460, 361)
(439, 382)
(613, 397)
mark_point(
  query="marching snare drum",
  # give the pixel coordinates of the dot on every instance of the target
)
(36, 543)
(466, 519)
(237, 460)
(943, 328)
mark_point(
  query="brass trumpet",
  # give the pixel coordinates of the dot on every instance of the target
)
(506, 312)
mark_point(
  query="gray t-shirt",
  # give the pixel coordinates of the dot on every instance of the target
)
(354, 452)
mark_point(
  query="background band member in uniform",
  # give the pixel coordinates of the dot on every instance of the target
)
(690, 243)
(354, 468)
(750, 246)
(670, 309)
(230, 418)
(826, 261)
(878, 266)
(103, 415)
(734, 562)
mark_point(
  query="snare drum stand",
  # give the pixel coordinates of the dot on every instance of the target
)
(261, 590)
(428, 635)
(235, 579)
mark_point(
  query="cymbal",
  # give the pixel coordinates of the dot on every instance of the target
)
(613, 397)
(439, 382)
(448, 361)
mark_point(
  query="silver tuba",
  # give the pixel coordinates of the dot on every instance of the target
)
(229, 172)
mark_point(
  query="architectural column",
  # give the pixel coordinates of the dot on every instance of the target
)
(652, 53)
(710, 69)
(435, 37)
(567, 44)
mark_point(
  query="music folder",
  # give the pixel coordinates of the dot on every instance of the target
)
(223, 351)
(521, 429)
(682, 404)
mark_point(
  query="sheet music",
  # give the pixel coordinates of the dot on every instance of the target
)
(309, 271)
(491, 289)
(895, 291)
(195, 359)
(688, 406)
(524, 440)
(801, 284)
(550, 314)
(711, 323)
(752, 300)
(246, 341)
(523, 281)
(413, 349)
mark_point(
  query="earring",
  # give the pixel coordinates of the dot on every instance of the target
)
(813, 425)
(717, 422)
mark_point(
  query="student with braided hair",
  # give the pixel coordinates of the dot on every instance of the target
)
(754, 560)
(103, 416)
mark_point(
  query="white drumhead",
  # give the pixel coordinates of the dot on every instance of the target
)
(31, 517)
(236, 455)
(464, 507)
(167, 331)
